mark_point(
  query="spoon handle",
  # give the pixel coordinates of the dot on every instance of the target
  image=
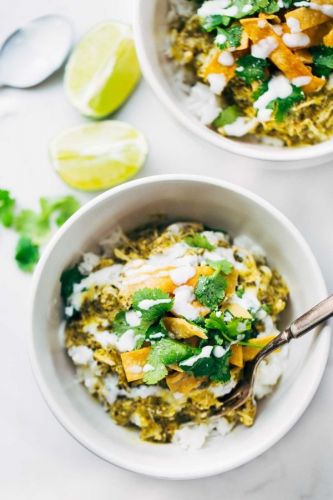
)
(312, 318)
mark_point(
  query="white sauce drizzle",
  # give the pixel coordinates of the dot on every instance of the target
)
(264, 47)
(217, 82)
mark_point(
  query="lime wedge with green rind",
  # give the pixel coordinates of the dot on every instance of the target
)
(103, 70)
(98, 155)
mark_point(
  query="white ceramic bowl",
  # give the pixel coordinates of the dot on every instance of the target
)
(220, 205)
(150, 28)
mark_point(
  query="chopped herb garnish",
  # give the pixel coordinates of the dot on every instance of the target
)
(222, 266)
(232, 36)
(282, 106)
(200, 241)
(217, 369)
(240, 291)
(210, 290)
(68, 279)
(153, 303)
(166, 352)
(227, 116)
(322, 60)
(251, 69)
(210, 23)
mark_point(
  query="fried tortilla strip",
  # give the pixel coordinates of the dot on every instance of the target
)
(272, 17)
(282, 56)
(214, 67)
(133, 363)
(183, 382)
(304, 55)
(183, 329)
(306, 18)
(328, 39)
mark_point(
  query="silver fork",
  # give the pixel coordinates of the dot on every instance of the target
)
(244, 390)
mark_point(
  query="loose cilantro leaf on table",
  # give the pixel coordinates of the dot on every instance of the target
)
(153, 303)
(200, 241)
(68, 279)
(26, 254)
(7, 206)
(322, 60)
(232, 36)
(166, 352)
(250, 68)
(227, 116)
(37, 225)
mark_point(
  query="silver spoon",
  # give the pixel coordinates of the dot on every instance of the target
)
(244, 390)
(35, 51)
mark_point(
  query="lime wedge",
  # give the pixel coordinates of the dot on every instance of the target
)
(98, 155)
(103, 70)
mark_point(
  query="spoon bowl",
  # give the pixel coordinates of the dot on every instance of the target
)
(35, 51)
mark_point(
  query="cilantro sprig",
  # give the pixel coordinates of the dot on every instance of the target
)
(210, 290)
(322, 60)
(151, 304)
(200, 241)
(34, 227)
(232, 36)
(166, 352)
(215, 368)
(7, 207)
(251, 69)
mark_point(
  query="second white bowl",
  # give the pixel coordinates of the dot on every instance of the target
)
(150, 28)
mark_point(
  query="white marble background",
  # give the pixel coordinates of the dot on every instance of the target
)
(38, 459)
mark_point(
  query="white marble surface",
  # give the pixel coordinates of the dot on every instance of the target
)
(38, 459)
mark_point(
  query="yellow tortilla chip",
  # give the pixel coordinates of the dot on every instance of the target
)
(328, 39)
(282, 56)
(307, 18)
(304, 55)
(215, 67)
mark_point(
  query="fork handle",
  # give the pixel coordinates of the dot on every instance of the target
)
(299, 327)
(319, 313)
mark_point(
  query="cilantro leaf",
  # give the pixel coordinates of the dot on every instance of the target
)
(215, 368)
(250, 68)
(227, 116)
(166, 352)
(200, 241)
(210, 290)
(322, 60)
(156, 332)
(120, 326)
(153, 303)
(26, 254)
(7, 205)
(282, 106)
(210, 23)
(222, 266)
(37, 226)
(230, 326)
(240, 291)
(232, 36)
(68, 279)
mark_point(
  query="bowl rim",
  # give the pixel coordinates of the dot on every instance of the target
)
(257, 152)
(79, 435)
